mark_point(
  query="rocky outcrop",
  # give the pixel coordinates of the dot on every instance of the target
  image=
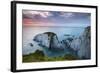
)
(85, 44)
(42, 40)
(48, 40)
(77, 46)
(82, 44)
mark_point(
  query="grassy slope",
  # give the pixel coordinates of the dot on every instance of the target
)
(38, 56)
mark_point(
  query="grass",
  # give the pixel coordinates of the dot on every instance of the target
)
(39, 56)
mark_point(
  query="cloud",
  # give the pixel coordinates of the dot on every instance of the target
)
(39, 13)
(66, 14)
(50, 18)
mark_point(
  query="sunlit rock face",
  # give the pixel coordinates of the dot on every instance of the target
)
(42, 40)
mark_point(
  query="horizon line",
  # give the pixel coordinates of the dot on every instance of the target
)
(59, 26)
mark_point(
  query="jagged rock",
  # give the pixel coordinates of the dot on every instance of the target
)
(42, 40)
(85, 45)
(48, 40)
(78, 46)
(82, 44)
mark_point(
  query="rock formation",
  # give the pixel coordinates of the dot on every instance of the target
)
(82, 44)
(79, 46)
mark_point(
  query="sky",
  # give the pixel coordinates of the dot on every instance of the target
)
(55, 18)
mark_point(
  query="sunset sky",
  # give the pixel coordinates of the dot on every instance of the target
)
(55, 18)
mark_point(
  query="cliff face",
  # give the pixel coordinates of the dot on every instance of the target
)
(82, 44)
(85, 45)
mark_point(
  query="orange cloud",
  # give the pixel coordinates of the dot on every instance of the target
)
(33, 22)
